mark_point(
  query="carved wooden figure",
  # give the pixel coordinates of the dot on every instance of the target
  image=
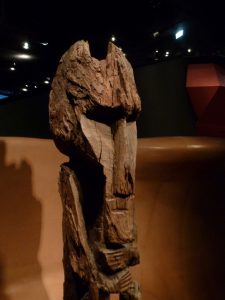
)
(93, 109)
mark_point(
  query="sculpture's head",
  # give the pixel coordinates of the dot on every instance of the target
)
(94, 105)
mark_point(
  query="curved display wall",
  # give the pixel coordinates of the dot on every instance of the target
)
(180, 208)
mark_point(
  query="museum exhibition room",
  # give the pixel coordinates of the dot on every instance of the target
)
(112, 150)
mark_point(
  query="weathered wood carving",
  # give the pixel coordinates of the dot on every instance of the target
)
(93, 109)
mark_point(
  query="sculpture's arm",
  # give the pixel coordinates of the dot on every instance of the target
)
(75, 236)
(74, 231)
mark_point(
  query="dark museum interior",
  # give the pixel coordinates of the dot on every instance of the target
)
(34, 37)
(177, 52)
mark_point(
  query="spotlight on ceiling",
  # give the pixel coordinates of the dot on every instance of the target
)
(113, 38)
(26, 45)
(23, 56)
(179, 34)
(156, 51)
(12, 69)
(155, 34)
(189, 50)
(44, 44)
(46, 81)
(24, 89)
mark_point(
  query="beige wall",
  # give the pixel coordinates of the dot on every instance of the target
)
(180, 211)
(180, 205)
(30, 220)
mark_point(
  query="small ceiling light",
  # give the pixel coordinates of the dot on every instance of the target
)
(23, 56)
(156, 51)
(44, 44)
(46, 81)
(48, 78)
(155, 34)
(26, 85)
(26, 45)
(113, 38)
(189, 50)
(24, 89)
(35, 87)
(179, 34)
(12, 69)
(14, 64)
(167, 53)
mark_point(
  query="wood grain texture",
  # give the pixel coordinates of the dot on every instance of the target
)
(93, 108)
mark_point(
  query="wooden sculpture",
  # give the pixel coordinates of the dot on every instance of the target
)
(93, 109)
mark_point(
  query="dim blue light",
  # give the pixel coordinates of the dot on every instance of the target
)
(3, 97)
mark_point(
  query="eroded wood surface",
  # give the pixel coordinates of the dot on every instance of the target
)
(93, 109)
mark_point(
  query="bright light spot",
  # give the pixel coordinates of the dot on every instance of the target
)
(35, 87)
(24, 89)
(167, 53)
(12, 69)
(124, 54)
(113, 38)
(48, 78)
(120, 49)
(26, 85)
(14, 63)
(189, 50)
(26, 45)
(46, 82)
(44, 44)
(179, 34)
(156, 51)
(24, 56)
(155, 34)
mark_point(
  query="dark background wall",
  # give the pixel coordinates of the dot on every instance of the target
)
(27, 117)
(166, 109)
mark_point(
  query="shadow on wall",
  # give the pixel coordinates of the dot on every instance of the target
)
(20, 227)
(3, 296)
